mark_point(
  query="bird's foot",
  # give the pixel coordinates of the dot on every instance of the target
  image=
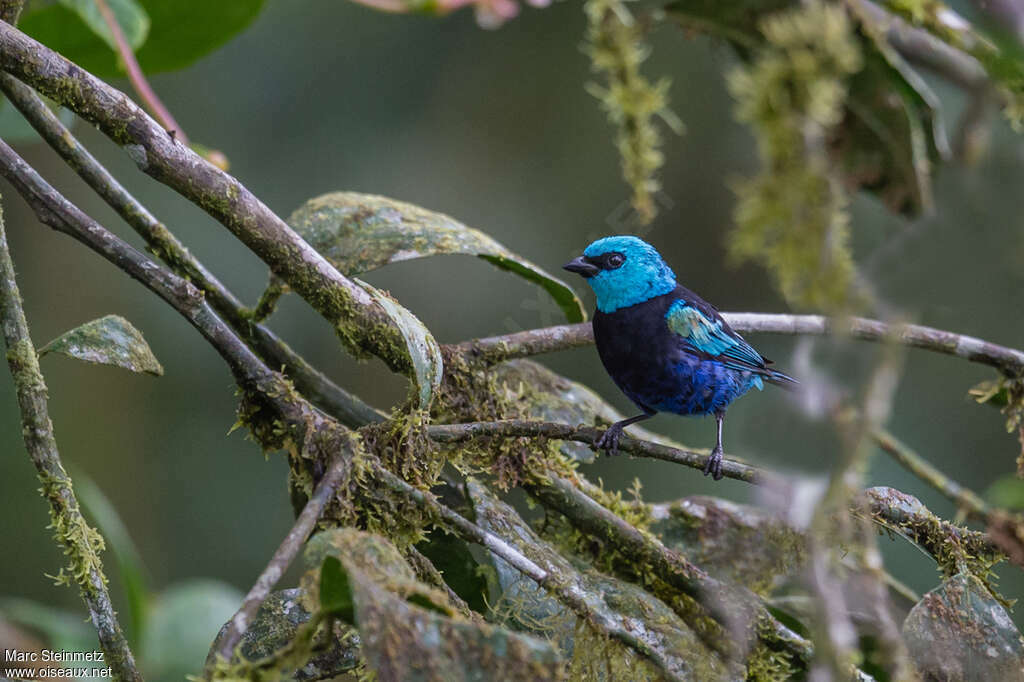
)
(714, 464)
(609, 441)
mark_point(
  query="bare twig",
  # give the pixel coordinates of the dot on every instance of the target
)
(313, 384)
(285, 554)
(563, 337)
(454, 433)
(363, 324)
(135, 75)
(82, 543)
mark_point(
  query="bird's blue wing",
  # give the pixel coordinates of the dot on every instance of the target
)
(704, 332)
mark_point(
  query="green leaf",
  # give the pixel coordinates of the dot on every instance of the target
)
(362, 232)
(129, 561)
(62, 630)
(110, 340)
(132, 19)
(1006, 492)
(958, 631)
(181, 31)
(335, 591)
(184, 619)
(423, 349)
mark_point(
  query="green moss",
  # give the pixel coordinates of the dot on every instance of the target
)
(793, 216)
(616, 49)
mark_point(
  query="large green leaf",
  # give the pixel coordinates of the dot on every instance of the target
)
(110, 340)
(132, 19)
(891, 130)
(411, 632)
(181, 31)
(362, 232)
(958, 632)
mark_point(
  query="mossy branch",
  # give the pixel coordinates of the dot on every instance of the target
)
(161, 243)
(363, 324)
(82, 543)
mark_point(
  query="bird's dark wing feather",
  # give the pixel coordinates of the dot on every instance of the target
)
(703, 332)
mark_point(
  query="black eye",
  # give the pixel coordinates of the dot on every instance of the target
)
(615, 260)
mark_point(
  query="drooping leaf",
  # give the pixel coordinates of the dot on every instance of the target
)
(181, 31)
(615, 601)
(132, 19)
(110, 340)
(436, 642)
(423, 349)
(184, 619)
(958, 632)
(362, 232)
(740, 543)
(335, 591)
(890, 130)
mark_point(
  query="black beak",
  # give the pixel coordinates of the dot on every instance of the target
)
(581, 266)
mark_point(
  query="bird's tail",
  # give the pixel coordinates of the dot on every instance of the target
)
(774, 376)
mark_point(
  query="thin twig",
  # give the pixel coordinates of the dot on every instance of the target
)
(563, 337)
(81, 542)
(454, 433)
(362, 322)
(135, 75)
(285, 554)
(311, 382)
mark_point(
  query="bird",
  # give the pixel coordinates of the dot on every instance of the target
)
(664, 346)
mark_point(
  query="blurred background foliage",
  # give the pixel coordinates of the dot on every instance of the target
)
(498, 130)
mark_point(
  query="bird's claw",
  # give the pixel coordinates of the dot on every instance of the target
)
(609, 441)
(714, 464)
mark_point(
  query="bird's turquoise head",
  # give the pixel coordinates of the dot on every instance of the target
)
(623, 271)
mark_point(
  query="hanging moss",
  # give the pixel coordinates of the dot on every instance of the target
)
(793, 216)
(615, 44)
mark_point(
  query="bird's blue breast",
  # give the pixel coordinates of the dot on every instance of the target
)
(650, 364)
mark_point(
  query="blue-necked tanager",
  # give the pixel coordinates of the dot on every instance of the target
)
(664, 346)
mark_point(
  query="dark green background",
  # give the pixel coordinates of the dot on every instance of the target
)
(495, 129)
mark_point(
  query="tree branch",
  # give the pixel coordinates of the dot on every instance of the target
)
(313, 384)
(362, 323)
(286, 553)
(455, 433)
(568, 594)
(563, 337)
(82, 543)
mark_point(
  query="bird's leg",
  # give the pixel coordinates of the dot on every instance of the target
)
(609, 441)
(714, 463)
